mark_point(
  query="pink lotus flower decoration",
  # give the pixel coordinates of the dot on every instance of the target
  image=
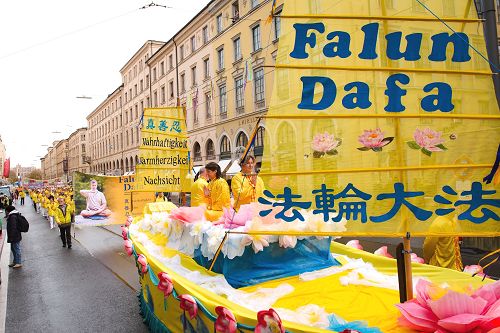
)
(188, 214)
(269, 322)
(165, 285)
(355, 244)
(382, 251)
(188, 303)
(225, 322)
(129, 221)
(232, 220)
(474, 270)
(454, 312)
(417, 259)
(325, 143)
(128, 247)
(427, 141)
(373, 140)
(124, 232)
(143, 263)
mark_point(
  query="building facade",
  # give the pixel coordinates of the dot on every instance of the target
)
(215, 67)
(61, 152)
(77, 152)
(2, 156)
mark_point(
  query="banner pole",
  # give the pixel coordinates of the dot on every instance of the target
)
(407, 261)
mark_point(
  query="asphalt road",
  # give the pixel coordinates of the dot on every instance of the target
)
(69, 290)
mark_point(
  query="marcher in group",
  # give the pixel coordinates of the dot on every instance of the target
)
(197, 189)
(160, 197)
(51, 209)
(22, 195)
(217, 192)
(96, 202)
(64, 215)
(443, 251)
(246, 185)
(14, 235)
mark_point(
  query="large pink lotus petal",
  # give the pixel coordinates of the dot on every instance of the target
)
(188, 214)
(454, 303)
(489, 292)
(420, 317)
(382, 251)
(463, 323)
(355, 244)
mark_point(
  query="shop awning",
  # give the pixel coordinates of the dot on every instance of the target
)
(234, 168)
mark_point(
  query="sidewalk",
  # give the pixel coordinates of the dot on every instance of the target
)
(64, 290)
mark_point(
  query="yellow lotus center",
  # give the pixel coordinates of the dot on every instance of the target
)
(373, 135)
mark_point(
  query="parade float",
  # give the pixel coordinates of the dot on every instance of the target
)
(392, 138)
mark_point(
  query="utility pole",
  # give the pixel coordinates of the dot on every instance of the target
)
(490, 35)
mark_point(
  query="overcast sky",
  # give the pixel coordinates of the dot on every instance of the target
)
(53, 51)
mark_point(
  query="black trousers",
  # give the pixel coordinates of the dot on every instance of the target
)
(22, 201)
(65, 231)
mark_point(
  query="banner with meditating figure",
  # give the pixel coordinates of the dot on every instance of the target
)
(105, 200)
(384, 115)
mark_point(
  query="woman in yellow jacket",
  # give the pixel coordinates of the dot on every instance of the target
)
(64, 215)
(247, 187)
(217, 192)
(198, 189)
(51, 208)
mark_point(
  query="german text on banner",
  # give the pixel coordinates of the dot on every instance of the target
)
(387, 120)
(164, 162)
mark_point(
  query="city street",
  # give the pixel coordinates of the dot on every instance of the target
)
(89, 288)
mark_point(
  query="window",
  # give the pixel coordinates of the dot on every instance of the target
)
(135, 89)
(235, 11)
(254, 3)
(220, 58)
(259, 137)
(259, 85)
(208, 101)
(206, 68)
(141, 85)
(193, 76)
(181, 52)
(219, 23)
(171, 89)
(237, 49)
(241, 140)
(193, 44)
(256, 37)
(147, 81)
(183, 83)
(170, 62)
(197, 151)
(210, 149)
(163, 96)
(222, 102)
(155, 98)
(277, 25)
(204, 34)
(154, 74)
(225, 146)
(240, 94)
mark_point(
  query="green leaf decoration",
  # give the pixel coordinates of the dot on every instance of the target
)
(426, 152)
(441, 146)
(413, 145)
(377, 149)
(340, 141)
(364, 148)
(318, 154)
(332, 152)
(388, 140)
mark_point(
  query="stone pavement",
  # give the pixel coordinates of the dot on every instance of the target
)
(63, 290)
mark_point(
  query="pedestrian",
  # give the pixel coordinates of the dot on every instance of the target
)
(64, 215)
(14, 235)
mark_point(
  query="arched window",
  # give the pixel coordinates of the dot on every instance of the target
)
(210, 148)
(126, 165)
(241, 140)
(197, 152)
(225, 148)
(258, 149)
(286, 135)
(131, 164)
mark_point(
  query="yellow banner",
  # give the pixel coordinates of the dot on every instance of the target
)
(164, 161)
(383, 116)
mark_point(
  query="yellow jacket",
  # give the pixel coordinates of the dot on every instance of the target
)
(443, 251)
(51, 208)
(244, 192)
(62, 218)
(219, 198)
(197, 194)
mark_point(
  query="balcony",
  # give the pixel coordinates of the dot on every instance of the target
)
(211, 157)
(198, 158)
(260, 105)
(226, 155)
(223, 115)
(240, 110)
